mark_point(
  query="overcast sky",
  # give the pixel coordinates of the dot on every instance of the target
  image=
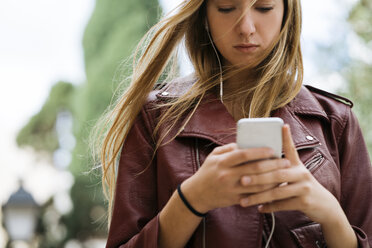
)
(40, 44)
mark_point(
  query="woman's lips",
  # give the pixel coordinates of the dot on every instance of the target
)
(246, 48)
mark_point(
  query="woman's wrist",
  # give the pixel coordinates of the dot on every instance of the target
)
(337, 230)
(193, 196)
(176, 223)
(187, 203)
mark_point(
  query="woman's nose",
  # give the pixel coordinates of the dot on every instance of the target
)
(246, 25)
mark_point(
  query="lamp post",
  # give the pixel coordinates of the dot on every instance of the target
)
(20, 216)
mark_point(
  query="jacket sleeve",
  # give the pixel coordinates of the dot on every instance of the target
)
(134, 220)
(356, 178)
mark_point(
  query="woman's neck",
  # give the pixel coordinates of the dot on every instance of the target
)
(234, 101)
(239, 81)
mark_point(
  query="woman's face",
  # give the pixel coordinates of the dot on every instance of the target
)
(241, 41)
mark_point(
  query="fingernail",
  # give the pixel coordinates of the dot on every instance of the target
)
(260, 208)
(286, 163)
(246, 180)
(244, 202)
(271, 152)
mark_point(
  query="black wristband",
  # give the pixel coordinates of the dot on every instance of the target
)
(187, 204)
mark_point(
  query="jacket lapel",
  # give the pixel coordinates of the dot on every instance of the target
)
(213, 122)
(301, 135)
(304, 104)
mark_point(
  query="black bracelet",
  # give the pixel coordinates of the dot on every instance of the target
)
(188, 204)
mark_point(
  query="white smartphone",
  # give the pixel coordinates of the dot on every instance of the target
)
(260, 132)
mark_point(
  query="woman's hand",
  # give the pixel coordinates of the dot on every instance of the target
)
(297, 190)
(218, 181)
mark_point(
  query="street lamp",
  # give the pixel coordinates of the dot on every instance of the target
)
(20, 216)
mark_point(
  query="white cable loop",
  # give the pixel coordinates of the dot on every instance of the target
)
(272, 231)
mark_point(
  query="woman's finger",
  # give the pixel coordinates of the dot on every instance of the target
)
(282, 205)
(262, 166)
(240, 156)
(289, 147)
(278, 193)
(223, 149)
(246, 191)
(283, 175)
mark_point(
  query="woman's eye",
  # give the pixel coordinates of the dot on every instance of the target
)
(226, 10)
(264, 9)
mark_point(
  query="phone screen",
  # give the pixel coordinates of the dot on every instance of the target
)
(260, 132)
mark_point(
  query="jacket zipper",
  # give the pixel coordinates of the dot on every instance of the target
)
(314, 162)
(308, 147)
(198, 164)
(305, 147)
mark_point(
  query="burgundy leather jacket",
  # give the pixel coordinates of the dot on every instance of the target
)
(327, 137)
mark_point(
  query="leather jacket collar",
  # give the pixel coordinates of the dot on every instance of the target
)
(212, 121)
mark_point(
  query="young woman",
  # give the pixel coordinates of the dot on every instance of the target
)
(181, 181)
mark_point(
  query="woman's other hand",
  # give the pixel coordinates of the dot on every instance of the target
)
(218, 182)
(297, 190)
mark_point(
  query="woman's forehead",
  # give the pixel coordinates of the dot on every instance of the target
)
(243, 1)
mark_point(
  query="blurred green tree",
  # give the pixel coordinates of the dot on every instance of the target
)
(359, 74)
(111, 35)
(361, 19)
(40, 132)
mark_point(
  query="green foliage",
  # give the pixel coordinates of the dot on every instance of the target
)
(40, 132)
(111, 35)
(84, 223)
(361, 19)
(359, 89)
(359, 74)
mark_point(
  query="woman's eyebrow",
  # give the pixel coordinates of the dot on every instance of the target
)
(242, 1)
(227, 1)
(265, 1)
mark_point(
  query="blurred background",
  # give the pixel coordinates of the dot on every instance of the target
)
(60, 62)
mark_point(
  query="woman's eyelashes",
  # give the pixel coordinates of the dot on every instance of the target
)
(227, 10)
(264, 9)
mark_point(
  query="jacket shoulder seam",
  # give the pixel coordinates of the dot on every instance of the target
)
(334, 100)
(343, 124)
(333, 96)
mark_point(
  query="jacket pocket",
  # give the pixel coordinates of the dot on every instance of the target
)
(309, 236)
(314, 162)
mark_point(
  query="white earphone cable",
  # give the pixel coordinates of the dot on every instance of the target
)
(272, 231)
(219, 61)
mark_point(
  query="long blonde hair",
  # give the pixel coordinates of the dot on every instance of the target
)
(278, 78)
